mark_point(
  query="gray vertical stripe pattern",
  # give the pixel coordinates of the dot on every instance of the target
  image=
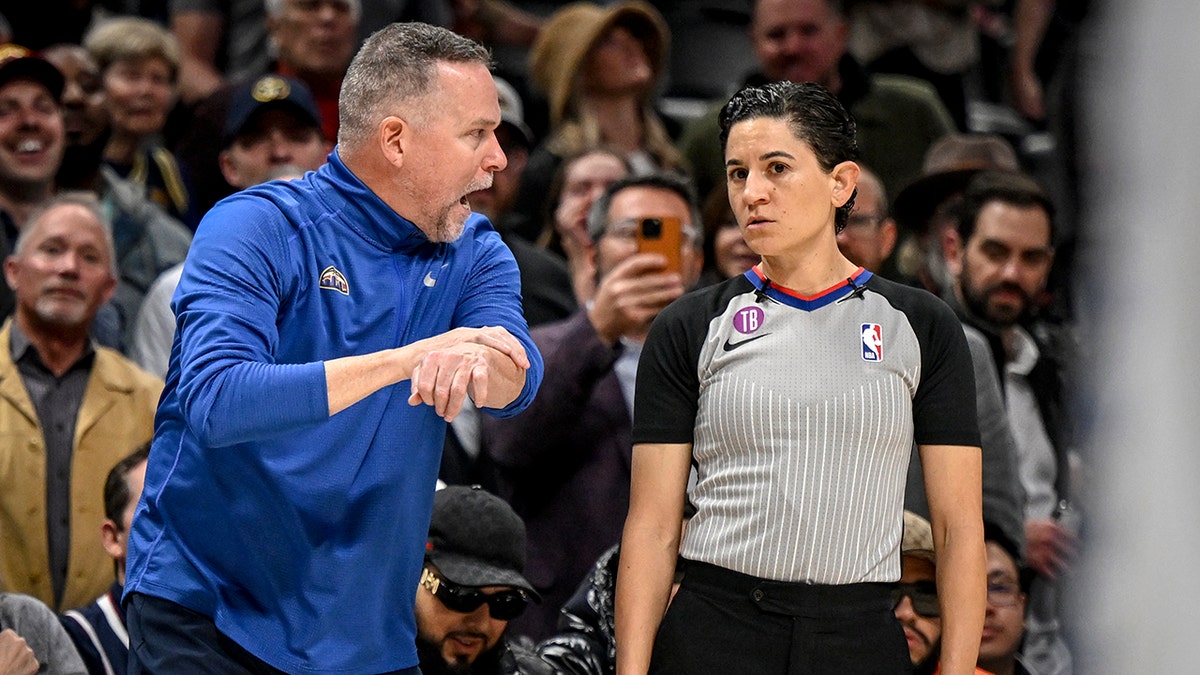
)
(802, 447)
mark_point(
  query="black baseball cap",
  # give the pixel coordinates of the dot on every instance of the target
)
(476, 539)
(17, 61)
(269, 91)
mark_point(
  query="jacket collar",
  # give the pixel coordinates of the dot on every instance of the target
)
(363, 211)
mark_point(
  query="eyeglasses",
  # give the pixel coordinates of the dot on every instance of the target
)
(1002, 595)
(923, 595)
(627, 228)
(503, 605)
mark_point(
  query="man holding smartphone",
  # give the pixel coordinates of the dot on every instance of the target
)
(564, 462)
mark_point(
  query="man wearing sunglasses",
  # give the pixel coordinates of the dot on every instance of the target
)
(915, 599)
(915, 595)
(472, 586)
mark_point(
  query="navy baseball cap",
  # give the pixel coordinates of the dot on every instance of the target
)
(17, 61)
(476, 539)
(269, 91)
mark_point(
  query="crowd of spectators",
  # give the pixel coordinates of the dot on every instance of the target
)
(122, 123)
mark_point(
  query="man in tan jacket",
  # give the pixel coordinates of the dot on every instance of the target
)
(69, 409)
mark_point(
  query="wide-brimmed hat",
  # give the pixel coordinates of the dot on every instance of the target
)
(476, 539)
(570, 34)
(950, 163)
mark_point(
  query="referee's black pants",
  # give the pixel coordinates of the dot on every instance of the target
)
(726, 622)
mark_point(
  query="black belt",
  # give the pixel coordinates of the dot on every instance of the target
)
(791, 598)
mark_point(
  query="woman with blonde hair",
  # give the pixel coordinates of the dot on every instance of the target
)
(139, 71)
(599, 69)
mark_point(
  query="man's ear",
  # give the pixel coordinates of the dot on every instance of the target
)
(10, 272)
(887, 237)
(845, 180)
(394, 135)
(228, 169)
(110, 539)
(952, 250)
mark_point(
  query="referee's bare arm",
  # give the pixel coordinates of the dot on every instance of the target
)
(953, 487)
(649, 547)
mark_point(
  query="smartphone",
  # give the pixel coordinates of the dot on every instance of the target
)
(663, 236)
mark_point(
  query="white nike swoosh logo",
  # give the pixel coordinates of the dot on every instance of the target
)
(429, 280)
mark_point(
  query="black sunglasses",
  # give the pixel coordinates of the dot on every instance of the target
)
(923, 595)
(503, 606)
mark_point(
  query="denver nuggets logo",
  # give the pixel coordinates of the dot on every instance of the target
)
(333, 280)
(270, 88)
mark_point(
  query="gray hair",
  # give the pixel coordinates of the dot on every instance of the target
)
(87, 201)
(597, 218)
(396, 64)
(275, 7)
(130, 38)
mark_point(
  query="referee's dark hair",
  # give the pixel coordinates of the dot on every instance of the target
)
(116, 486)
(813, 114)
(597, 218)
(1007, 187)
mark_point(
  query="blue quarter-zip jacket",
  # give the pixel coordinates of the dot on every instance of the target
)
(302, 534)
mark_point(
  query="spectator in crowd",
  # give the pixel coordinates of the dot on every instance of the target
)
(219, 42)
(1000, 257)
(564, 463)
(32, 122)
(897, 117)
(314, 41)
(85, 116)
(472, 585)
(1004, 625)
(32, 640)
(148, 240)
(586, 641)
(925, 208)
(98, 630)
(139, 66)
(272, 130)
(599, 69)
(302, 304)
(68, 407)
(726, 253)
(915, 596)
(578, 183)
(273, 125)
(870, 233)
(935, 40)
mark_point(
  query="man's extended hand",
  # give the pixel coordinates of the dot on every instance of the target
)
(16, 658)
(461, 363)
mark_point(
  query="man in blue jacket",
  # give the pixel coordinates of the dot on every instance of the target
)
(290, 485)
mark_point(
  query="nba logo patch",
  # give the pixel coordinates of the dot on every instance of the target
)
(872, 342)
(333, 280)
